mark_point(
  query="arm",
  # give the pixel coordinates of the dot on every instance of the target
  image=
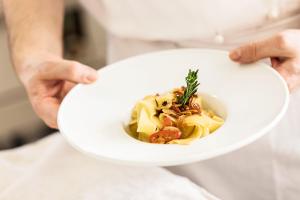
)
(35, 28)
(284, 51)
(35, 36)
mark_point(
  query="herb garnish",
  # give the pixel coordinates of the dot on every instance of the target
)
(191, 87)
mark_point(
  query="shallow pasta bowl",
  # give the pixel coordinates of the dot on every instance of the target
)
(252, 99)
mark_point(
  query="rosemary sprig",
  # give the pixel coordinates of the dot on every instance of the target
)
(191, 87)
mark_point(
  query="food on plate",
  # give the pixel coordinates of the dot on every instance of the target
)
(175, 117)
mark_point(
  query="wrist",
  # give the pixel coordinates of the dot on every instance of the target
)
(26, 66)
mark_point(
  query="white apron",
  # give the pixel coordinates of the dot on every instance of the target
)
(266, 169)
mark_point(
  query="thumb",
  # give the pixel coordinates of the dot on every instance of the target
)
(257, 50)
(68, 70)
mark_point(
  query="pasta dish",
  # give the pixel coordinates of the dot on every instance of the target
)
(175, 117)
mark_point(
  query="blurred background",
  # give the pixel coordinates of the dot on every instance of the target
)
(84, 41)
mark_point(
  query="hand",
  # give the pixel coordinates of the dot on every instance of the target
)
(48, 80)
(284, 51)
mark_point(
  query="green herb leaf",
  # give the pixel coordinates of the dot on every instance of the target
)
(191, 87)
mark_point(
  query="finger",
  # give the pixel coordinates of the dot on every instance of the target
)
(68, 70)
(289, 71)
(275, 62)
(285, 75)
(47, 109)
(272, 47)
(283, 72)
(66, 88)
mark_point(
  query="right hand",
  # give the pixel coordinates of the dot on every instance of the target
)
(48, 79)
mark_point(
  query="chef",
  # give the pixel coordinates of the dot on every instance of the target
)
(251, 29)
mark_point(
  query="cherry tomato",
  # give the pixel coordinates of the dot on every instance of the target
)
(167, 121)
(164, 136)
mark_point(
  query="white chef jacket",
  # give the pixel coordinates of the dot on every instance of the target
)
(266, 169)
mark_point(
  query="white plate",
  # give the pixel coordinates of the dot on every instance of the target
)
(91, 117)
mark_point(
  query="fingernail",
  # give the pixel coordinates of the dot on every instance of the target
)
(91, 77)
(235, 55)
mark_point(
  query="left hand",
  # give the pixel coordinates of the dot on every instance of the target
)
(284, 51)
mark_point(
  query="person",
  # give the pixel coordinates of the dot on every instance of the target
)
(252, 30)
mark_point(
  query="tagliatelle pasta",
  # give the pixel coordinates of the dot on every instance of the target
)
(176, 117)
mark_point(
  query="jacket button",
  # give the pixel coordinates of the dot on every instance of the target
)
(219, 39)
(273, 13)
